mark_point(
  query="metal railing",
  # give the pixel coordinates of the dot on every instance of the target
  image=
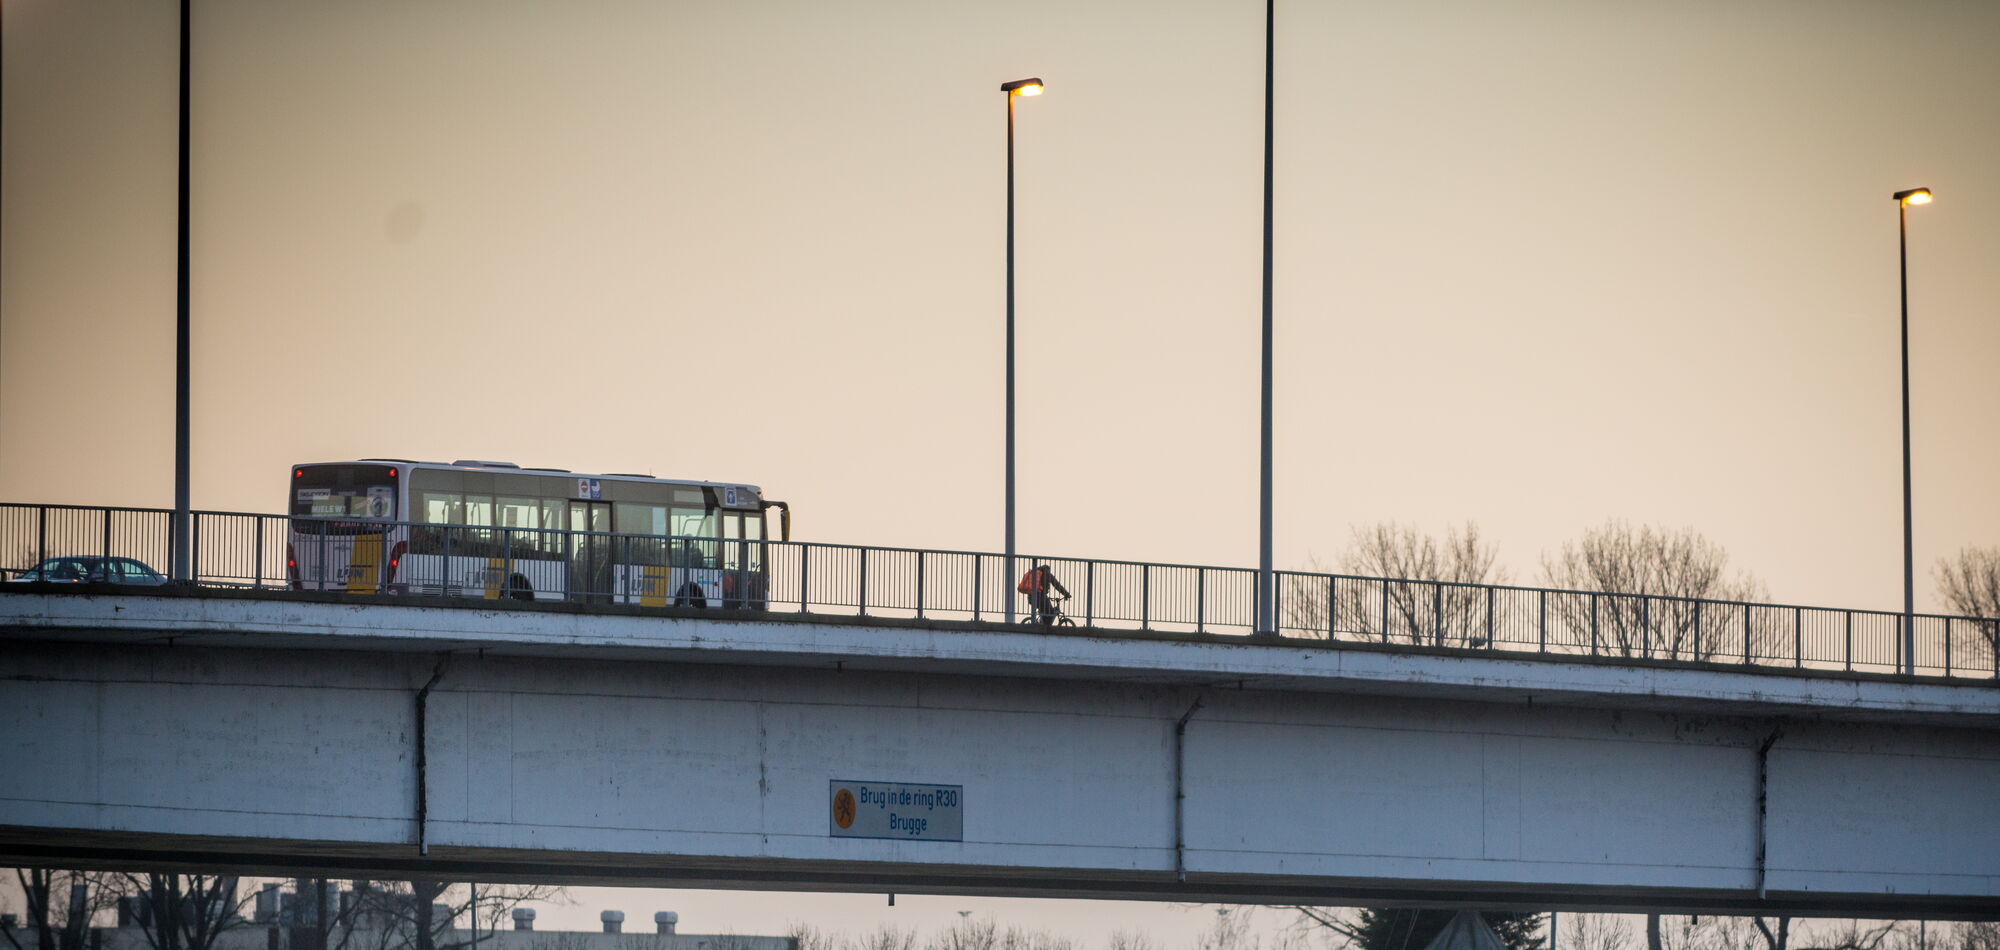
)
(498, 563)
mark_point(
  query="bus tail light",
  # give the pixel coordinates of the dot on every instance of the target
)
(396, 560)
(292, 568)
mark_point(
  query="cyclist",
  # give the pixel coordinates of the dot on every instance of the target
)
(1037, 584)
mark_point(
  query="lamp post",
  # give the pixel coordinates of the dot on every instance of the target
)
(1267, 600)
(179, 556)
(1904, 199)
(1019, 87)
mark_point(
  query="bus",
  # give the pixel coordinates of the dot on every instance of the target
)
(495, 529)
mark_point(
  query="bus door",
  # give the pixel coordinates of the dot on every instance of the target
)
(744, 581)
(589, 554)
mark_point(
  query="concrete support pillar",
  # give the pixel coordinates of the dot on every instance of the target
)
(666, 920)
(613, 920)
(524, 918)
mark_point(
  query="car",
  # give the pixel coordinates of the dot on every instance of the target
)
(81, 569)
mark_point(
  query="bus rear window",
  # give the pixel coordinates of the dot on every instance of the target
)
(344, 492)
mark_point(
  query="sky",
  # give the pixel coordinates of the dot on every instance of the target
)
(1538, 264)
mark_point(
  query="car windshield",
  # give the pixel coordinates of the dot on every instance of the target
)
(66, 568)
(134, 569)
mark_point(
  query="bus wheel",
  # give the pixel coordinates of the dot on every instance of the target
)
(519, 588)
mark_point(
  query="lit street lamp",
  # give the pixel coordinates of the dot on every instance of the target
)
(1019, 87)
(1904, 199)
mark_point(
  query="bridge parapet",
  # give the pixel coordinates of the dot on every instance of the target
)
(599, 570)
(248, 619)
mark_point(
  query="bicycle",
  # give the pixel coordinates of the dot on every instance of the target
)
(1055, 616)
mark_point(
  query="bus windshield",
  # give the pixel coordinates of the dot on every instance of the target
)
(344, 492)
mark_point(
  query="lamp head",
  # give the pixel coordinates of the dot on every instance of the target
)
(1022, 87)
(1913, 196)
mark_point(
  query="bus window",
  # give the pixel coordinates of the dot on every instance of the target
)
(694, 522)
(742, 528)
(522, 513)
(443, 507)
(479, 515)
(637, 518)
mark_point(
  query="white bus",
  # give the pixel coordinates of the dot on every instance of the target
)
(495, 529)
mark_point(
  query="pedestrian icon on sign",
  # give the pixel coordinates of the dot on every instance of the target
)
(843, 808)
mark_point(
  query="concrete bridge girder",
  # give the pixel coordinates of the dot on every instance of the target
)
(614, 760)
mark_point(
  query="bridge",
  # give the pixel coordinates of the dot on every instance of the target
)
(394, 734)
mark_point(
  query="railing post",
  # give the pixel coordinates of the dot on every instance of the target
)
(1437, 614)
(1694, 651)
(1200, 596)
(42, 535)
(1593, 624)
(1332, 608)
(978, 563)
(107, 537)
(1277, 617)
(1746, 634)
(1145, 596)
(1542, 623)
(1385, 608)
(1489, 618)
(257, 545)
(920, 585)
(194, 547)
(1847, 641)
(507, 563)
(322, 554)
(861, 597)
(1947, 646)
(1645, 628)
(805, 564)
(1799, 639)
(1089, 592)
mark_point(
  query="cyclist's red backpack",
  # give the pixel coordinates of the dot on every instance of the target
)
(1030, 582)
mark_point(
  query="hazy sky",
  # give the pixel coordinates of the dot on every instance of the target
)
(1539, 264)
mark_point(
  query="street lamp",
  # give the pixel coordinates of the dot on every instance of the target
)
(1904, 199)
(1019, 87)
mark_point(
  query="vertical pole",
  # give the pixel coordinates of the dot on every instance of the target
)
(1007, 570)
(1542, 624)
(1200, 596)
(1266, 592)
(1909, 551)
(181, 549)
(1089, 593)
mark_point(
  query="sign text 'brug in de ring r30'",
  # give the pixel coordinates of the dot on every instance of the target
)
(895, 810)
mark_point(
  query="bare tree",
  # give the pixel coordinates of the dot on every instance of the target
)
(61, 905)
(1977, 935)
(1229, 932)
(1651, 580)
(404, 915)
(1594, 932)
(1135, 940)
(1969, 584)
(1419, 588)
(885, 938)
(1854, 935)
(969, 934)
(185, 911)
(1014, 938)
(809, 937)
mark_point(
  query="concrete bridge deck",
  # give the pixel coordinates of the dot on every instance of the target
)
(691, 749)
